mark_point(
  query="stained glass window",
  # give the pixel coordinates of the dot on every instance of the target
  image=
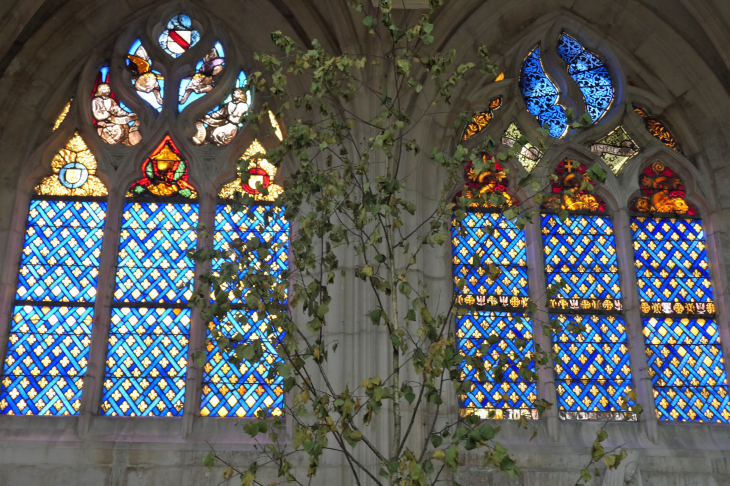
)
(591, 75)
(150, 323)
(179, 36)
(658, 129)
(221, 124)
(114, 122)
(682, 338)
(206, 73)
(275, 125)
(241, 389)
(498, 303)
(149, 83)
(615, 149)
(62, 115)
(480, 120)
(592, 370)
(529, 155)
(541, 96)
(50, 330)
(260, 173)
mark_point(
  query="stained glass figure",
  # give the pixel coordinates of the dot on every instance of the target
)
(62, 115)
(203, 80)
(662, 191)
(165, 173)
(541, 96)
(498, 303)
(480, 120)
(529, 155)
(592, 371)
(221, 125)
(570, 174)
(50, 331)
(615, 149)
(150, 323)
(260, 174)
(275, 125)
(179, 36)
(149, 83)
(683, 346)
(589, 73)
(74, 173)
(658, 129)
(114, 122)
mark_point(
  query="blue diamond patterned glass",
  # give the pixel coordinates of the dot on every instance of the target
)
(541, 96)
(589, 73)
(513, 396)
(671, 264)
(687, 369)
(493, 240)
(153, 264)
(266, 223)
(242, 389)
(146, 362)
(50, 330)
(682, 339)
(148, 345)
(592, 370)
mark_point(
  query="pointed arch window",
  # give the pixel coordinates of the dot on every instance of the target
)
(592, 371)
(50, 330)
(239, 387)
(497, 305)
(682, 338)
(147, 351)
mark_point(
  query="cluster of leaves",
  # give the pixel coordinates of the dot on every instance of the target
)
(347, 198)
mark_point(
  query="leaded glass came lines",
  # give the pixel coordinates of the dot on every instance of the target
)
(512, 397)
(671, 266)
(153, 263)
(589, 73)
(682, 339)
(497, 241)
(687, 369)
(148, 345)
(541, 96)
(582, 251)
(241, 390)
(592, 371)
(50, 331)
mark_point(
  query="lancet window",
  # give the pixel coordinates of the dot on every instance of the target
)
(592, 370)
(496, 304)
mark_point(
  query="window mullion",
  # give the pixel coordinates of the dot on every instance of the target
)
(194, 381)
(546, 374)
(94, 379)
(639, 367)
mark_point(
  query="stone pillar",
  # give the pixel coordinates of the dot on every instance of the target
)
(94, 378)
(538, 284)
(634, 323)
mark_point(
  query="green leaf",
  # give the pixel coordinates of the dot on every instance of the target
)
(209, 461)
(427, 39)
(436, 440)
(585, 475)
(596, 173)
